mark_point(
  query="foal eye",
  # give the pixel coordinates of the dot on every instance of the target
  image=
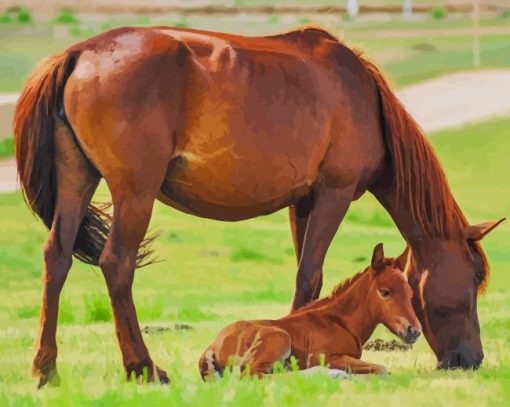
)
(385, 293)
(480, 276)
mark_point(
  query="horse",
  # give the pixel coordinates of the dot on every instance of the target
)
(230, 127)
(330, 331)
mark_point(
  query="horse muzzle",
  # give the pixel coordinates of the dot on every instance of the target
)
(410, 335)
(460, 360)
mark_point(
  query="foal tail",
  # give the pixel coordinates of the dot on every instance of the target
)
(417, 172)
(209, 366)
(39, 108)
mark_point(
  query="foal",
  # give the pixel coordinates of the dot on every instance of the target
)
(334, 328)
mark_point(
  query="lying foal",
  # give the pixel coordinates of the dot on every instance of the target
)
(334, 328)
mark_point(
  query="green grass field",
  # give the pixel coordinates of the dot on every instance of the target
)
(213, 273)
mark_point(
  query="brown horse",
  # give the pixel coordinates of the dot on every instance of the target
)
(334, 328)
(230, 127)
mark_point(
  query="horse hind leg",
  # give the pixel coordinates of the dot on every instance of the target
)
(133, 197)
(76, 184)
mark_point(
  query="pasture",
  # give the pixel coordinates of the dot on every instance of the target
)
(212, 273)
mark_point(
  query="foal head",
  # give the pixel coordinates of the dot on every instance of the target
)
(390, 296)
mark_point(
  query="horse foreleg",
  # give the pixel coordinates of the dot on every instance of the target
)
(75, 187)
(131, 215)
(328, 210)
(298, 216)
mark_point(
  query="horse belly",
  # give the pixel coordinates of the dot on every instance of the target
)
(226, 186)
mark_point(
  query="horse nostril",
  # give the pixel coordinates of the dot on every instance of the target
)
(413, 331)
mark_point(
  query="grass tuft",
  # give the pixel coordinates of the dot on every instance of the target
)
(97, 308)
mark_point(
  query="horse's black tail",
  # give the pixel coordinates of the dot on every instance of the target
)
(39, 107)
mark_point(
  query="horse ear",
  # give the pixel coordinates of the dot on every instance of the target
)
(378, 257)
(400, 262)
(475, 233)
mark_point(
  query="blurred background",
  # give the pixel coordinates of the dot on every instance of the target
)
(413, 40)
(449, 61)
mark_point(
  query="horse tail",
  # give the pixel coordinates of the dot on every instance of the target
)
(34, 126)
(417, 173)
(39, 108)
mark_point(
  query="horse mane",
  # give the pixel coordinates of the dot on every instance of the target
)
(418, 175)
(337, 292)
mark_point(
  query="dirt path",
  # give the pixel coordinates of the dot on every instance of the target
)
(448, 101)
(8, 182)
(459, 98)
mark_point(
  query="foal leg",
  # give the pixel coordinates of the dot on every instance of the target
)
(328, 210)
(348, 363)
(75, 187)
(270, 345)
(131, 215)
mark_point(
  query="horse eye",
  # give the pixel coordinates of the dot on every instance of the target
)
(385, 293)
(480, 276)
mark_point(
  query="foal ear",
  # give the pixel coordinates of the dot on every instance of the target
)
(378, 257)
(400, 262)
(475, 233)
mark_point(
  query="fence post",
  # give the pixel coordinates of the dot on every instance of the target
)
(352, 8)
(476, 33)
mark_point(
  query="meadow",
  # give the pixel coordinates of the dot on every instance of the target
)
(211, 273)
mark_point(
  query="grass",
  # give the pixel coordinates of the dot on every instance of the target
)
(214, 273)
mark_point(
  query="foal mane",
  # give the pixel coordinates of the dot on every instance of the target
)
(337, 291)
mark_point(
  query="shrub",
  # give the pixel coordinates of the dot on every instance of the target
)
(5, 19)
(66, 16)
(17, 14)
(6, 147)
(438, 13)
(504, 14)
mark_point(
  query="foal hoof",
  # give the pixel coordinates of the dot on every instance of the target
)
(163, 378)
(380, 370)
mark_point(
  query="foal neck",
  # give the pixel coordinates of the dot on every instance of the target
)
(350, 307)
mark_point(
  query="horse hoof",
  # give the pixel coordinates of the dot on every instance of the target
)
(50, 378)
(163, 377)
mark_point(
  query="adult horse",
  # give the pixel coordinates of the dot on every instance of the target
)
(230, 127)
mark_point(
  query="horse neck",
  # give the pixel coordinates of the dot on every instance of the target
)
(422, 242)
(351, 308)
